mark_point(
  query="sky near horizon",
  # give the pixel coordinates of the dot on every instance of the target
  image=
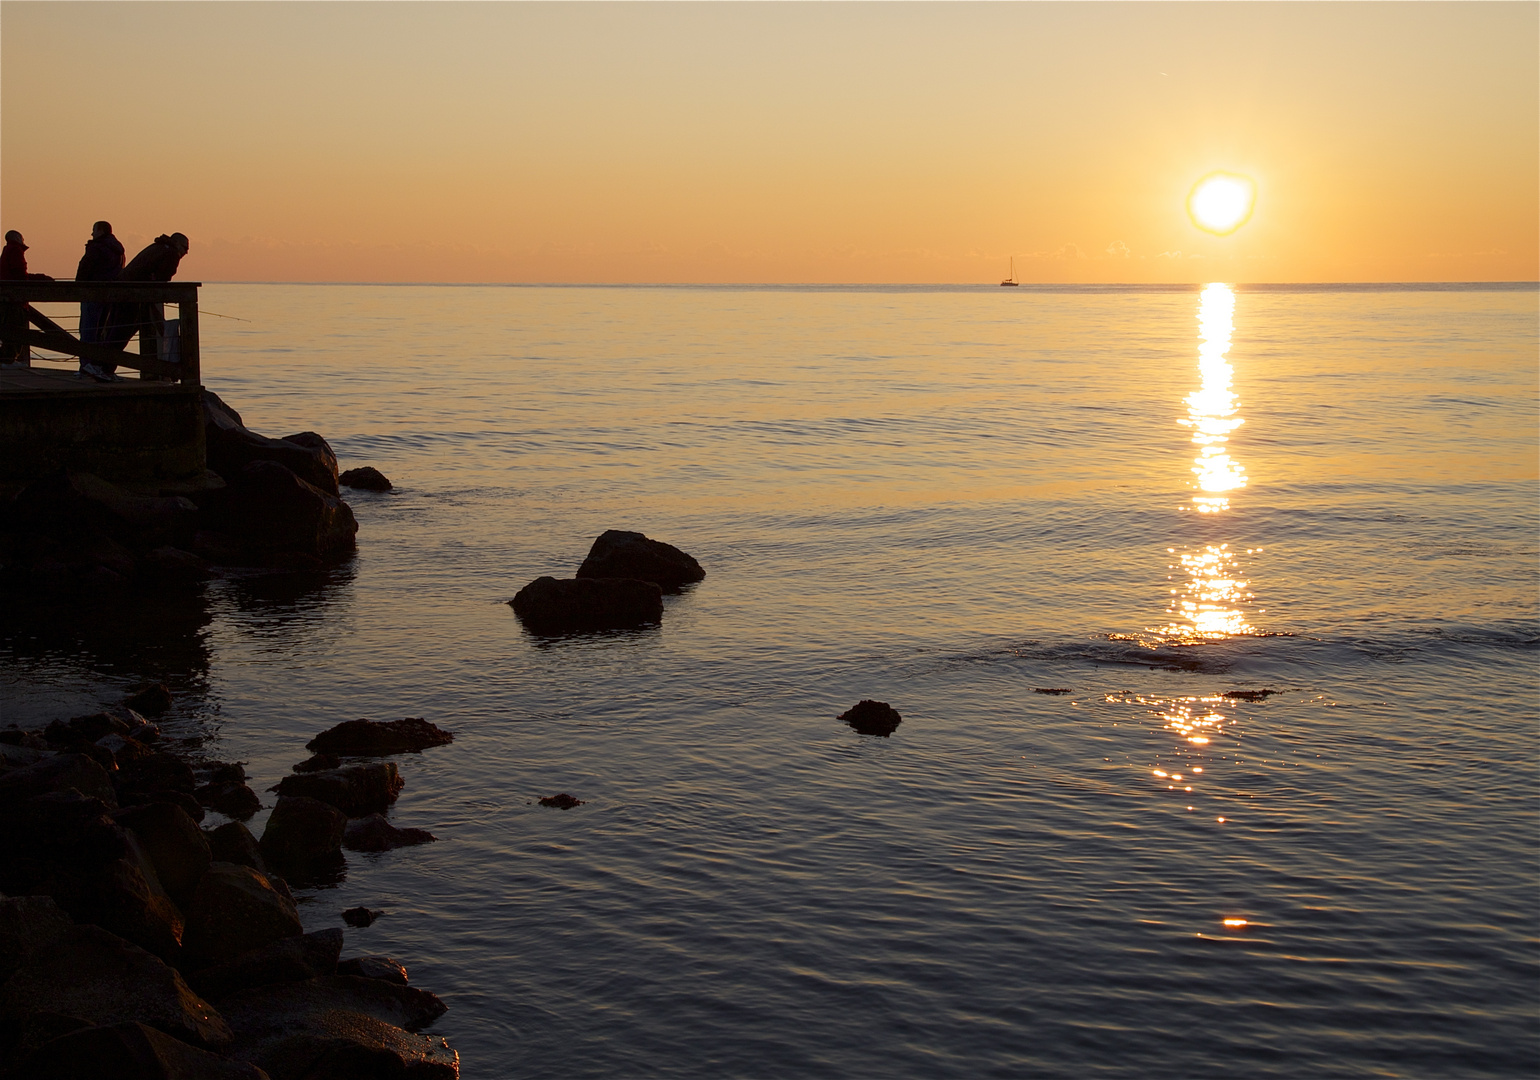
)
(842, 142)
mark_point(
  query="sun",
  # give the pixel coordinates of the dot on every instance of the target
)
(1221, 202)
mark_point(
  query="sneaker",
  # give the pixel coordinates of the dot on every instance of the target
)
(100, 374)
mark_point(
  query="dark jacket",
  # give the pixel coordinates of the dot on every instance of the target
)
(103, 260)
(13, 262)
(157, 262)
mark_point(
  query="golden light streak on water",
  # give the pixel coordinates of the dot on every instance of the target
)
(1212, 407)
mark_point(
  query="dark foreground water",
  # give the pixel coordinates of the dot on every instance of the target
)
(950, 500)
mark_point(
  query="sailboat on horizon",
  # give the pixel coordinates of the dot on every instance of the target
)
(1012, 279)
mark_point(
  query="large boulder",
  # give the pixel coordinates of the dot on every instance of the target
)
(303, 832)
(27, 924)
(356, 790)
(122, 895)
(620, 554)
(232, 446)
(129, 1051)
(157, 772)
(273, 510)
(58, 832)
(340, 1027)
(234, 843)
(58, 773)
(97, 976)
(575, 605)
(374, 833)
(235, 910)
(176, 846)
(373, 738)
(290, 959)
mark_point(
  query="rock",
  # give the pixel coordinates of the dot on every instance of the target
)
(371, 738)
(232, 800)
(340, 1027)
(89, 728)
(365, 478)
(146, 733)
(1249, 695)
(574, 605)
(562, 801)
(374, 833)
(16, 756)
(356, 790)
(317, 762)
(290, 959)
(384, 968)
(235, 910)
(123, 748)
(153, 700)
(321, 451)
(28, 924)
(619, 554)
(95, 975)
(176, 846)
(873, 718)
(303, 832)
(188, 804)
(231, 447)
(130, 1051)
(171, 564)
(221, 772)
(157, 772)
(273, 510)
(360, 916)
(57, 773)
(234, 843)
(125, 896)
(57, 832)
(1057, 690)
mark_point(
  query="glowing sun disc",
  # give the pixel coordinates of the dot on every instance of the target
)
(1221, 202)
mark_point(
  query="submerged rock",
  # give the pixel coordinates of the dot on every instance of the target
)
(374, 833)
(620, 554)
(317, 762)
(360, 916)
(562, 801)
(549, 606)
(873, 718)
(373, 738)
(1249, 695)
(365, 478)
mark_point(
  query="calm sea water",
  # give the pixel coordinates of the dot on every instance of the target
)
(947, 499)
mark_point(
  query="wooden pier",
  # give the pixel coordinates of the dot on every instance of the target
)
(146, 431)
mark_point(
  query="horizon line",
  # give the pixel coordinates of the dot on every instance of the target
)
(1518, 283)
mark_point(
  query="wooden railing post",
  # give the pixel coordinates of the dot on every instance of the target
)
(187, 314)
(149, 340)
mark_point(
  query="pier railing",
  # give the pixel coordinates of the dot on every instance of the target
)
(167, 349)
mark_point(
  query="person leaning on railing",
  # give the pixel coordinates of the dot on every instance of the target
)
(158, 262)
(13, 267)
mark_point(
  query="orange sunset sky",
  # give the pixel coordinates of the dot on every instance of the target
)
(776, 142)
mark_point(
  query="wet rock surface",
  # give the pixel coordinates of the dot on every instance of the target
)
(872, 718)
(289, 959)
(360, 916)
(373, 738)
(1249, 695)
(374, 833)
(561, 801)
(236, 909)
(620, 554)
(356, 790)
(176, 847)
(574, 605)
(386, 968)
(365, 478)
(303, 832)
(128, 1051)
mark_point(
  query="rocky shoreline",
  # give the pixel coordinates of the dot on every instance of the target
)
(134, 942)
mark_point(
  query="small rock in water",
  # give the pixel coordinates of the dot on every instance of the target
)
(373, 738)
(574, 605)
(562, 801)
(356, 790)
(1249, 695)
(1052, 690)
(620, 554)
(374, 833)
(365, 478)
(873, 718)
(152, 700)
(318, 762)
(360, 916)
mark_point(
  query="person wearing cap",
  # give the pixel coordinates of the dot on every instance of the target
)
(13, 267)
(157, 262)
(103, 261)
